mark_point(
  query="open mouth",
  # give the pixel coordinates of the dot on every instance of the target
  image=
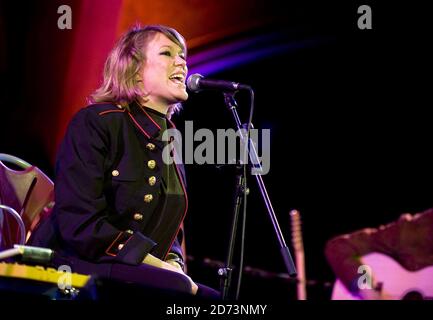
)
(178, 79)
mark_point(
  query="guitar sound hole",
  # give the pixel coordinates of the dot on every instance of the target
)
(413, 295)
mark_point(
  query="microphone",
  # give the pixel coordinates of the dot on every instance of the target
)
(196, 82)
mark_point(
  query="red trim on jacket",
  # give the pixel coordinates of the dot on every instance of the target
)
(138, 125)
(111, 245)
(186, 209)
(109, 111)
(157, 125)
(115, 243)
(171, 123)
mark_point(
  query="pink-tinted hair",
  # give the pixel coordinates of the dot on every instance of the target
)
(120, 84)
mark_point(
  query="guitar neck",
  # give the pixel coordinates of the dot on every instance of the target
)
(298, 246)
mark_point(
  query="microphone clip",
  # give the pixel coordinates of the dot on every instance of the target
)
(229, 99)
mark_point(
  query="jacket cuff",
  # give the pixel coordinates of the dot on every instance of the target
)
(130, 248)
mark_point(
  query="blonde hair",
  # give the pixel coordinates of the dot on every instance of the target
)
(120, 84)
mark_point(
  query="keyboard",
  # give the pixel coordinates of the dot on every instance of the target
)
(42, 274)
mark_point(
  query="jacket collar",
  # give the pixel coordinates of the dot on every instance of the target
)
(143, 121)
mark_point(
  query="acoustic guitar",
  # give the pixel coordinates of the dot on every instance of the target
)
(394, 280)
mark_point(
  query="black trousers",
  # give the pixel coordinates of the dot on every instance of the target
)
(134, 280)
(160, 279)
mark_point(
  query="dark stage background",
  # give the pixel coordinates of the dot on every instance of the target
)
(347, 108)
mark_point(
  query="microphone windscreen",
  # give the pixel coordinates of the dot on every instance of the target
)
(193, 82)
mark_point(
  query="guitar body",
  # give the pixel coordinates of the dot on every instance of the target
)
(396, 281)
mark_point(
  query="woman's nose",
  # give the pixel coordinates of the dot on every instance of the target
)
(180, 62)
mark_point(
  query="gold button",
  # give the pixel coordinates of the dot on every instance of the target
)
(120, 246)
(138, 216)
(150, 146)
(115, 173)
(152, 180)
(151, 164)
(148, 198)
(129, 231)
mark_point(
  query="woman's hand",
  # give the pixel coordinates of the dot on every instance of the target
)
(174, 267)
(175, 264)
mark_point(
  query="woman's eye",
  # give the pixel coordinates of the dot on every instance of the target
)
(166, 53)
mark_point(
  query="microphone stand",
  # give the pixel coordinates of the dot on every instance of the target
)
(226, 272)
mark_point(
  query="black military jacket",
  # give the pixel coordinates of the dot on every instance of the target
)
(108, 177)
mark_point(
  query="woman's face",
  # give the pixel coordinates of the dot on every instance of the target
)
(164, 73)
